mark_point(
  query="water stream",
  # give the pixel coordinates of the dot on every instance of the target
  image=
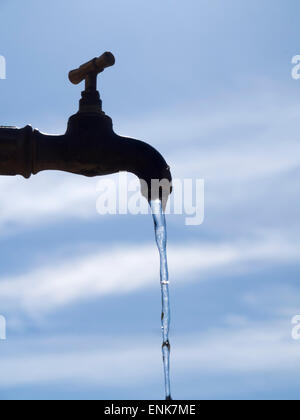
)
(161, 240)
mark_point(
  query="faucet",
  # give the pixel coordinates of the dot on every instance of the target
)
(90, 147)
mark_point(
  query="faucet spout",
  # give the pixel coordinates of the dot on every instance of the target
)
(148, 165)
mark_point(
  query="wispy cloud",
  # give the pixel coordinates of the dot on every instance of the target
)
(45, 197)
(98, 274)
(251, 348)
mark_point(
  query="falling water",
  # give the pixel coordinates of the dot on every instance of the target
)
(161, 240)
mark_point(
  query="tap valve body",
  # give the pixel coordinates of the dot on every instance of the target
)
(90, 98)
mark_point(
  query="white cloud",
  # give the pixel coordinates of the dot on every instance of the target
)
(253, 348)
(106, 366)
(265, 347)
(127, 269)
(44, 198)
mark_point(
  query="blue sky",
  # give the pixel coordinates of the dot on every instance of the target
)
(209, 84)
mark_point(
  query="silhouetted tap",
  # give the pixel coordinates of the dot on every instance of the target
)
(90, 147)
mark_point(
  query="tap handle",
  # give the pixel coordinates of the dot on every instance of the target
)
(96, 66)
